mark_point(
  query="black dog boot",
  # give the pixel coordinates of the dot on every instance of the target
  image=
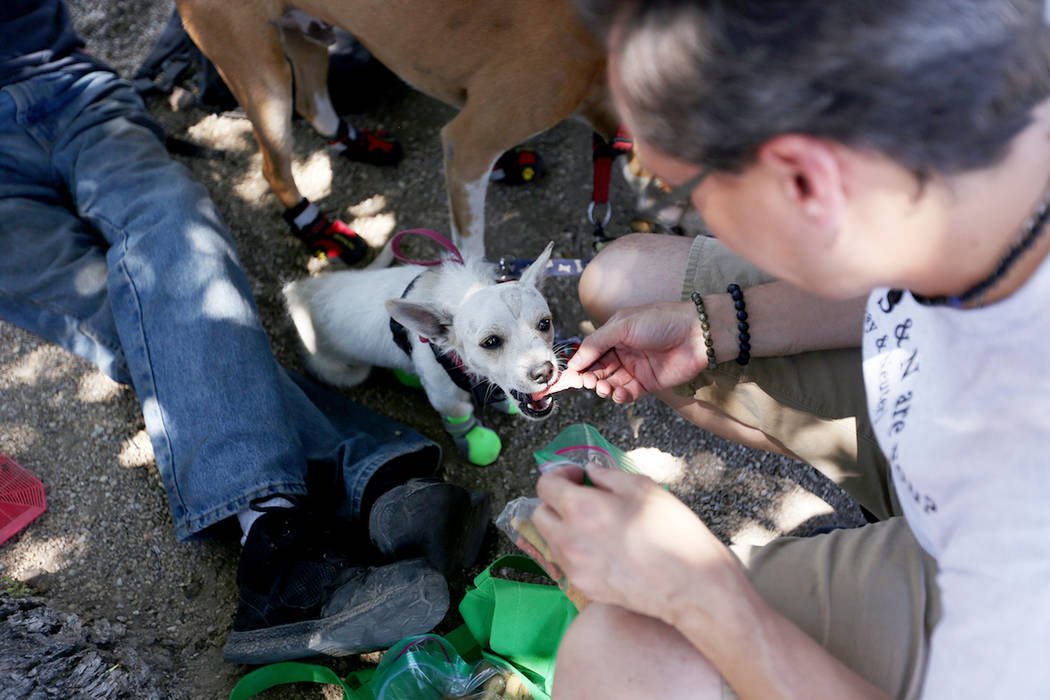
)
(439, 521)
(301, 595)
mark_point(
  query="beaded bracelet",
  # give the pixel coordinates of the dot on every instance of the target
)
(737, 295)
(705, 328)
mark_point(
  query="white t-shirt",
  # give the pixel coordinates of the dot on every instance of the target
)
(960, 402)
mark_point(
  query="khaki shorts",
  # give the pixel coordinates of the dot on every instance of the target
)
(869, 594)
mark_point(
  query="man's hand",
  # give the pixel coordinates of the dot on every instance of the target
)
(638, 351)
(627, 542)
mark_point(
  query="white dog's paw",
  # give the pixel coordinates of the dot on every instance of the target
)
(480, 445)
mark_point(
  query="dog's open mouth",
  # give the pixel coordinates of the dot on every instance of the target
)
(534, 408)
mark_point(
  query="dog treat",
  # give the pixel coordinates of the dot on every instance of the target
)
(532, 542)
(492, 682)
(515, 689)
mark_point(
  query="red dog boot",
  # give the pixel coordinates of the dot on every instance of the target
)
(517, 166)
(325, 238)
(365, 146)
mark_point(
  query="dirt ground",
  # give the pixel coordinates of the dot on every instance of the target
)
(105, 549)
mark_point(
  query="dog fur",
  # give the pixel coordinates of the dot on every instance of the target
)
(500, 331)
(513, 68)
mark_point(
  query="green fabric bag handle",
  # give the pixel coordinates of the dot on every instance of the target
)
(522, 623)
(272, 675)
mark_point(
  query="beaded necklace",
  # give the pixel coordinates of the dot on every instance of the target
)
(1033, 227)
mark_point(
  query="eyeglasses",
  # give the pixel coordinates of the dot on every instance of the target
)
(683, 191)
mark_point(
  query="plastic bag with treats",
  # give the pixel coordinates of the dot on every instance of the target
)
(427, 667)
(579, 444)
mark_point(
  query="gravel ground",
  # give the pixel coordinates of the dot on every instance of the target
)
(104, 556)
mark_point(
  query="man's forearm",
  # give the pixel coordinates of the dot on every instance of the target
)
(784, 320)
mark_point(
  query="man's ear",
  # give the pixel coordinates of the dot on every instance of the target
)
(427, 320)
(809, 175)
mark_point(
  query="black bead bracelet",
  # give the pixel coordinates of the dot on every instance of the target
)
(737, 295)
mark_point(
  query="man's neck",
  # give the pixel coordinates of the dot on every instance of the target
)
(989, 210)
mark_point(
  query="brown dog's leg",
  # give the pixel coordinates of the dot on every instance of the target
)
(597, 110)
(246, 48)
(310, 70)
(495, 119)
(488, 125)
(469, 157)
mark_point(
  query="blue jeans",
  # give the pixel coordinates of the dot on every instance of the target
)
(114, 251)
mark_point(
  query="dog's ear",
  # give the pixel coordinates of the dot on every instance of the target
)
(536, 272)
(427, 320)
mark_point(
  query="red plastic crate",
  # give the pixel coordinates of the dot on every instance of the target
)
(21, 498)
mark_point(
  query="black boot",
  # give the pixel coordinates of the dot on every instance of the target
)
(300, 595)
(442, 522)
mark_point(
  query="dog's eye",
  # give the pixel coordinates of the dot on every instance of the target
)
(544, 325)
(492, 342)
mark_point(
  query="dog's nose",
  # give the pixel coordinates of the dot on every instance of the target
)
(542, 373)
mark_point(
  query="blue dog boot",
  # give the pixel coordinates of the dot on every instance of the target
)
(480, 445)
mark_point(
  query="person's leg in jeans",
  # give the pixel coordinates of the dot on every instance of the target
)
(108, 219)
(111, 249)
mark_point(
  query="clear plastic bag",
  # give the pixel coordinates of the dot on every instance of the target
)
(581, 445)
(429, 668)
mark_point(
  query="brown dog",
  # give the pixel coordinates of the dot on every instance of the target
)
(514, 68)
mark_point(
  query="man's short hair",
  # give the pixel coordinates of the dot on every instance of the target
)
(940, 86)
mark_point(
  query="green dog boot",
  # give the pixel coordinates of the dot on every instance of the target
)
(480, 445)
(507, 405)
(408, 379)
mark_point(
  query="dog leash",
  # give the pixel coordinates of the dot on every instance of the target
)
(511, 269)
(603, 153)
(395, 246)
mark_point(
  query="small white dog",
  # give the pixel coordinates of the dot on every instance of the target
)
(470, 339)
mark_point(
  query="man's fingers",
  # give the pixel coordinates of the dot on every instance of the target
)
(552, 486)
(621, 387)
(585, 355)
(564, 470)
(594, 346)
(546, 520)
(615, 480)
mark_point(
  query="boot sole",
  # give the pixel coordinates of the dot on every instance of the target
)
(390, 615)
